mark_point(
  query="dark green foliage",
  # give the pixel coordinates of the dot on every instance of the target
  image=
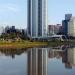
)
(14, 34)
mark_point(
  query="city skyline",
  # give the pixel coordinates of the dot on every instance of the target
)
(15, 12)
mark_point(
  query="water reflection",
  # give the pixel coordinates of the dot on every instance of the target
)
(11, 52)
(37, 61)
(67, 55)
(71, 56)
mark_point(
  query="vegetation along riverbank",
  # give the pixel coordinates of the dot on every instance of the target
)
(28, 44)
(21, 44)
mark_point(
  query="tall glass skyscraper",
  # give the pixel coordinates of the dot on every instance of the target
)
(37, 18)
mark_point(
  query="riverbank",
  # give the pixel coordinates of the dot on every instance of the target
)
(28, 44)
(21, 44)
(59, 43)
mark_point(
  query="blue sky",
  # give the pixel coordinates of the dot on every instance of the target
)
(14, 12)
(58, 8)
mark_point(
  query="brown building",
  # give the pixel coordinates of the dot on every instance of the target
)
(54, 29)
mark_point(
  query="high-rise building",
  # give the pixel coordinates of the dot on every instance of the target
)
(65, 26)
(71, 27)
(37, 61)
(37, 18)
(68, 16)
(65, 23)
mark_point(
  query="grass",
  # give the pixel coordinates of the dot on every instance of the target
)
(28, 44)
(21, 44)
(59, 43)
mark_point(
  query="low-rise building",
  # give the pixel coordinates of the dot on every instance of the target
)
(54, 29)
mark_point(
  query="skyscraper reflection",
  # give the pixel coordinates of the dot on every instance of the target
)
(71, 56)
(37, 61)
(67, 55)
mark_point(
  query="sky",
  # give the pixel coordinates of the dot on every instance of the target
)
(14, 12)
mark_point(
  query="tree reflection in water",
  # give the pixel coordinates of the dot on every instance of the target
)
(12, 52)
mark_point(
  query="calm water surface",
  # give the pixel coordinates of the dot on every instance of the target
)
(38, 61)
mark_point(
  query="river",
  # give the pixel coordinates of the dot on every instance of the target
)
(38, 61)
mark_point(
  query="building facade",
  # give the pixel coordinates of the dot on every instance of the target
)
(65, 23)
(65, 26)
(37, 18)
(54, 29)
(68, 16)
(71, 27)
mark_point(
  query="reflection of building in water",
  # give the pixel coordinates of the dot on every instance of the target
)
(71, 56)
(37, 61)
(65, 60)
(67, 55)
(60, 54)
(55, 52)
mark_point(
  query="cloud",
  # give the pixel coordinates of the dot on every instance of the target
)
(9, 8)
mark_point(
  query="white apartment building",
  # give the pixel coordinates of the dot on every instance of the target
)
(71, 27)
